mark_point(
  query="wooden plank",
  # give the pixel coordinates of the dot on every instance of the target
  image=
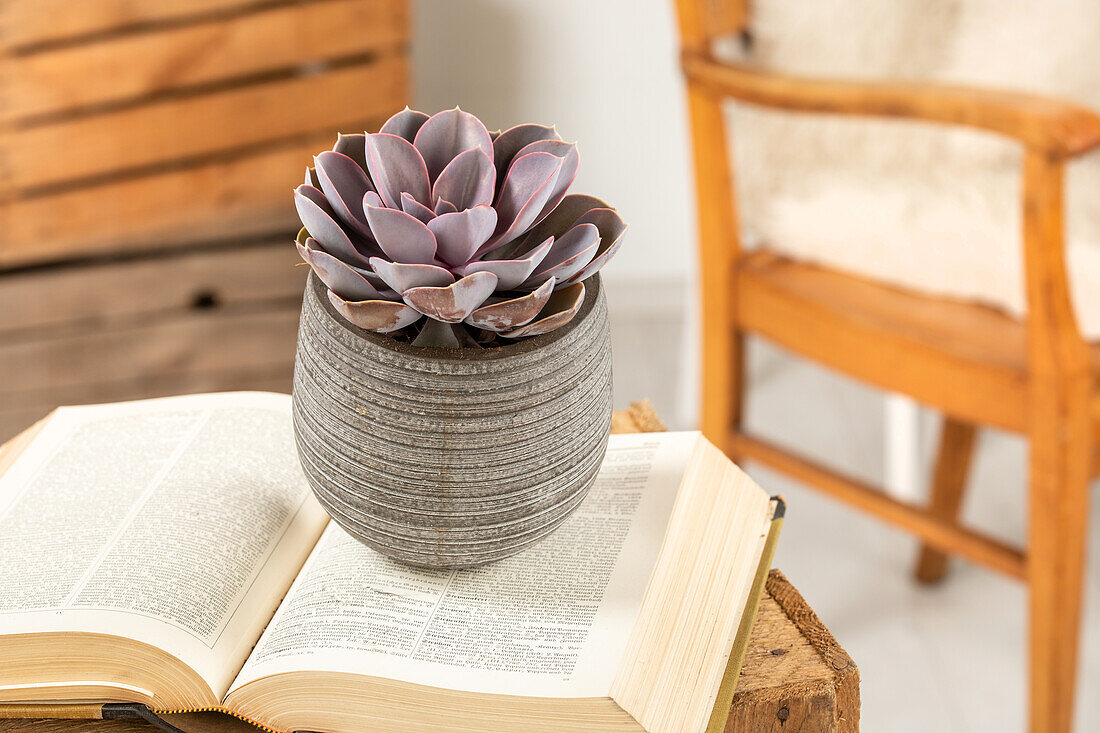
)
(135, 66)
(779, 695)
(75, 726)
(939, 533)
(181, 129)
(32, 22)
(88, 296)
(1054, 126)
(965, 359)
(727, 16)
(1063, 386)
(192, 343)
(777, 657)
(948, 486)
(275, 379)
(246, 196)
(722, 393)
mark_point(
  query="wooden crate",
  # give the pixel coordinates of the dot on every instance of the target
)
(148, 150)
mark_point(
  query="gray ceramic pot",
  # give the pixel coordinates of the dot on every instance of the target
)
(451, 458)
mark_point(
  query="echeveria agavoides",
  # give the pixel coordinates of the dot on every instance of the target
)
(436, 229)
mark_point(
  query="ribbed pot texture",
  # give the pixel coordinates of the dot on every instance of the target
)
(451, 458)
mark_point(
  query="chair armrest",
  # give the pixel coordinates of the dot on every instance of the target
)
(1058, 128)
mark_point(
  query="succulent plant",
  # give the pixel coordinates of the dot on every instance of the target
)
(437, 230)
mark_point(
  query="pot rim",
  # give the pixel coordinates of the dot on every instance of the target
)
(593, 288)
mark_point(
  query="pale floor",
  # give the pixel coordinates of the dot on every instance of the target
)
(947, 658)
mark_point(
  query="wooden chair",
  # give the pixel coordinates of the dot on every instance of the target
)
(978, 366)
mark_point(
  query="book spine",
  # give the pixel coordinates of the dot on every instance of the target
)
(117, 711)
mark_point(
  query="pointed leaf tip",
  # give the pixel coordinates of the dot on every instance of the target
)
(459, 234)
(510, 314)
(454, 303)
(384, 316)
(447, 134)
(321, 223)
(405, 123)
(396, 167)
(558, 311)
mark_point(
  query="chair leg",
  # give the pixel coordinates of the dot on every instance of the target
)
(1058, 528)
(723, 386)
(948, 485)
(737, 381)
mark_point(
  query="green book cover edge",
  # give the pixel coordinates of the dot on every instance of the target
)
(724, 701)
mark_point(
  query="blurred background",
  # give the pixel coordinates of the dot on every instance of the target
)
(149, 150)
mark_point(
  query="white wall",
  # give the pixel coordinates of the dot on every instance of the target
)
(606, 73)
(603, 71)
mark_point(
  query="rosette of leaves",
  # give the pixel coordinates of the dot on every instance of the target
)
(436, 230)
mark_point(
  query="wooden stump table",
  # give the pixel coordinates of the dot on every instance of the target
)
(795, 676)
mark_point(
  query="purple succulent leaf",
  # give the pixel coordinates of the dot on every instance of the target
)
(558, 311)
(446, 134)
(396, 167)
(402, 237)
(410, 206)
(468, 181)
(369, 275)
(379, 284)
(344, 184)
(567, 213)
(458, 235)
(340, 279)
(311, 178)
(594, 266)
(570, 164)
(611, 228)
(405, 123)
(401, 276)
(371, 198)
(569, 255)
(527, 187)
(443, 206)
(383, 316)
(509, 314)
(511, 141)
(320, 221)
(510, 273)
(565, 272)
(354, 146)
(455, 302)
(580, 238)
(608, 221)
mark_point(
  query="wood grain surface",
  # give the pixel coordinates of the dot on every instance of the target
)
(276, 39)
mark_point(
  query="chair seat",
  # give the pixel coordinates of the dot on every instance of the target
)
(966, 359)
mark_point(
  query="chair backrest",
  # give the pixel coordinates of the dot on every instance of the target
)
(704, 20)
(145, 124)
(925, 207)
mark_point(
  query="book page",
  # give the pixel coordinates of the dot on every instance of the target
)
(178, 522)
(551, 621)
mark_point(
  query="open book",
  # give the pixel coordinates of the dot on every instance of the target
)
(169, 554)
